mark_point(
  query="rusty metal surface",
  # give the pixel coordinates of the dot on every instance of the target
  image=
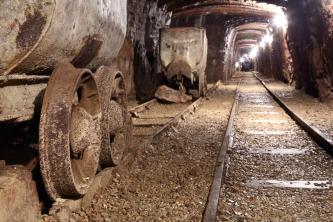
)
(142, 107)
(184, 54)
(179, 66)
(181, 46)
(39, 34)
(71, 114)
(116, 123)
(20, 96)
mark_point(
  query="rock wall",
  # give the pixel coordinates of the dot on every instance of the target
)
(310, 36)
(265, 60)
(145, 19)
(274, 60)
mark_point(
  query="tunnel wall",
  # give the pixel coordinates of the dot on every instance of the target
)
(274, 60)
(145, 19)
(310, 36)
(265, 60)
(230, 55)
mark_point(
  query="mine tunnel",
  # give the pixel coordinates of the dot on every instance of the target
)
(166, 110)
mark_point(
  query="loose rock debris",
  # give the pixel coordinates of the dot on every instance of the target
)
(168, 94)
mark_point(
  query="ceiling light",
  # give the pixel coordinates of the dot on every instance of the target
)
(254, 52)
(237, 65)
(268, 39)
(280, 21)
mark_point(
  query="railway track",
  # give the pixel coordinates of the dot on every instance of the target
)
(269, 166)
(157, 117)
(152, 118)
(322, 139)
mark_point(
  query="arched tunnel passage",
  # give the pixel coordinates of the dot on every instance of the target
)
(180, 110)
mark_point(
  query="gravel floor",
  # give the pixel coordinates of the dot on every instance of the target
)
(170, 177)
(316, 113)
(269, 147)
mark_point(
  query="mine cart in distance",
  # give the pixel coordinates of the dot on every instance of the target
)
(84, 123)
(183, 54)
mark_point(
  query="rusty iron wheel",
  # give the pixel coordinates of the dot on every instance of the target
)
(70, 132)
(116, 121)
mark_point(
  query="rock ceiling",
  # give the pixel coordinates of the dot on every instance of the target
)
(176, 5)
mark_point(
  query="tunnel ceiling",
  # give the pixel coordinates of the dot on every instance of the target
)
(174, 5)
(252, 32)
(179, 5)
(257, 11)
(249, 34)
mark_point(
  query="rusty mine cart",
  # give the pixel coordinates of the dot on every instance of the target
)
(183, 54)
(84, 122)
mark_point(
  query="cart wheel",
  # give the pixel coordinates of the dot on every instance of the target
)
(116, 122)
(70, 132)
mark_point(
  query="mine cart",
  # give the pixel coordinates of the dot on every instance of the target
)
(58, 53)
(183, 54)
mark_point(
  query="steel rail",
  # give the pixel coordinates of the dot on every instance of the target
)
(180, 115)
(212, 203)
(142, 107)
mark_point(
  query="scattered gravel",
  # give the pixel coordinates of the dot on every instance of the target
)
(241, 203)
(267, 147)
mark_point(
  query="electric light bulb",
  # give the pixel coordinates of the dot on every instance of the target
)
(254, 52)
(280, 21)
(268, 39)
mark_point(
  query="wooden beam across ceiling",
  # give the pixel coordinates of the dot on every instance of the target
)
(174, 5)
(246, 10)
